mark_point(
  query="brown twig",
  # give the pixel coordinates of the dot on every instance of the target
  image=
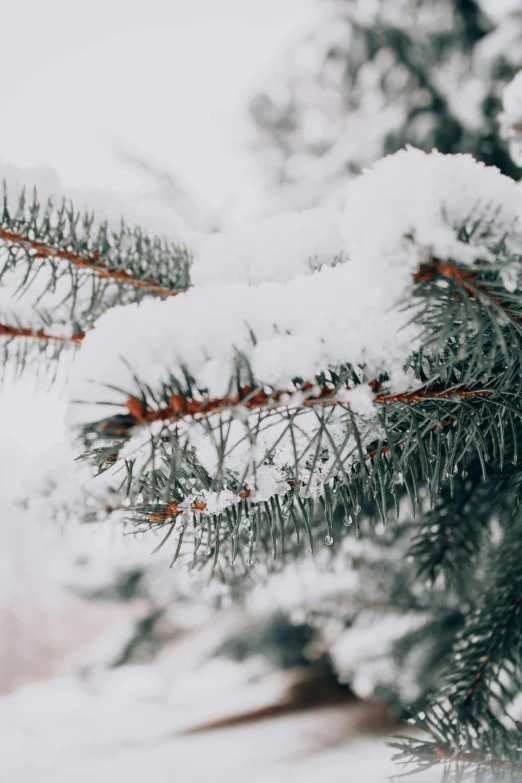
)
(180, 407)
(44, 250)
(15, 331)
(466, 279)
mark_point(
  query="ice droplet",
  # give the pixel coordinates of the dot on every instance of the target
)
(347, 521)
(328, 540)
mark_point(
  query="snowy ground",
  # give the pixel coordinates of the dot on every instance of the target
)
(131, 729)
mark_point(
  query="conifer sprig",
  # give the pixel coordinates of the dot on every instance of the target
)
(259, 400)
(422, 444)
(38, 345)
(39, 250)
(76, 266)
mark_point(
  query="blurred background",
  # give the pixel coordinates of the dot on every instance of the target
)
(112, 665)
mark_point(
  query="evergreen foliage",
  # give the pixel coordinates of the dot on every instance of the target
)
(72, 267)
(234, 460)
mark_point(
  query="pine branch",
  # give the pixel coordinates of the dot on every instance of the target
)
(75, 267)
(509, 617)
(461, 408)
(451, 534)
(259, 400)
(35, 338)
(93, 263)
(468, 715)
(463, 277)
(489, 646)
(453, 303)
(175, 479)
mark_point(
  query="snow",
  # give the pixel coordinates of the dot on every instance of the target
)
(496, 9)
(412, 205)
(65, 731)
(512, 98)
(43, 179)
(218, 501)
(360, 399)
(87, 723)
(408, 206)
(270, 248)
(268, 482)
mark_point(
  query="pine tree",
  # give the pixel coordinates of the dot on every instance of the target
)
(244, 395)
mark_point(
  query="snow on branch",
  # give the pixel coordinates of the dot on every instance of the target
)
(410, 209)
(285, 330)
(412, 206)
(236, 394)
(73, 264)
(276, 247)
(38, 249)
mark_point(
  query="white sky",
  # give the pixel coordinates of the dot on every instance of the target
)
(166, 78)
